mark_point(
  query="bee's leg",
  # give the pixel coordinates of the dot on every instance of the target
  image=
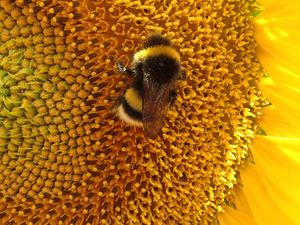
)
(173, 96)
(124, 69)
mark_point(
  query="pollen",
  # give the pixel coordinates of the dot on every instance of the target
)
(67, 159)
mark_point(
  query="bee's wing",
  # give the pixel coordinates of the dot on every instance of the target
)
(156, 101)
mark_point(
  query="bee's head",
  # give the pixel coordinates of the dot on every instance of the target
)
(161, 68)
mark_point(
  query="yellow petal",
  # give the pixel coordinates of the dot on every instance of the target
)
(241, 202)
(286, 99)
(277, 29)
(234, 217)
(272, 186)
(278, 33)
(280, 73)
(281, 154)
(265, 3)
(283, 126)
(260, 201)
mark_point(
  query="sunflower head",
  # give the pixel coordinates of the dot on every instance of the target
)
(65, 159)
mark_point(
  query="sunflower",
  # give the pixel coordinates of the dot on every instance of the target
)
(228, 153)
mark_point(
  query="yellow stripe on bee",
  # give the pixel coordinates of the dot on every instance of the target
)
(155, 51)
(123, 116)
(133, 99)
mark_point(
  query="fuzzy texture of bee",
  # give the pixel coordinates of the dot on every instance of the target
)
(155, 68)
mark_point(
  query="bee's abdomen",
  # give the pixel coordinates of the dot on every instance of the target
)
(137, 115)
(130, 108)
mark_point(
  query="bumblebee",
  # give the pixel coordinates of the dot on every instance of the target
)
(155, 68)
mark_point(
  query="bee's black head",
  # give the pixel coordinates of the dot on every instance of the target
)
(161, 68)
(155, 40)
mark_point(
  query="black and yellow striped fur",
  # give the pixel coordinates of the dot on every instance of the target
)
(155, 68)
